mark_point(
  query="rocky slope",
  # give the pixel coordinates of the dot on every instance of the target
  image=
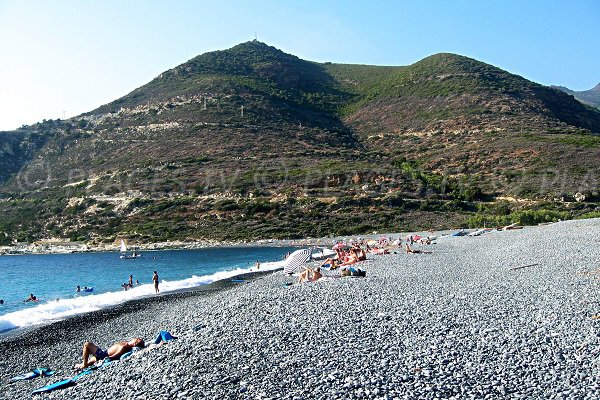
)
(590, 97)
(254, 142)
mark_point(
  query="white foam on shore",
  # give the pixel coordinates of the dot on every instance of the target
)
(63, 308)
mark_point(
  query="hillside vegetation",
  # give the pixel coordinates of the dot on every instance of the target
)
(251, 142)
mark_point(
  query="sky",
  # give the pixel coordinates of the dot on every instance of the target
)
(60, 58)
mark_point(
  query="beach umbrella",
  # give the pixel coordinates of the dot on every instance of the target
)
(296, 260)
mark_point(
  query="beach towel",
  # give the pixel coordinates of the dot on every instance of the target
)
(65, 383)
(130, 353)
(164, 336)
(32, 374)
(57, 385)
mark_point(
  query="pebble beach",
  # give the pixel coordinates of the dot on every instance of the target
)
(503, 315)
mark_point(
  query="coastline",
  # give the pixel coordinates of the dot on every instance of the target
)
(457, 323)
(77, 247)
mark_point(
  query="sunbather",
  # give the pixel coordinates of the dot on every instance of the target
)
(310, 275)
(379, 251)
(93, 353)
(416, 251)
(329, 263)
(351, 258)
(360, 253)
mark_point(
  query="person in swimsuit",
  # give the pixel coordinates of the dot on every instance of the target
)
(93, 353)
(415, 251)
(310, 275)
(155, 280)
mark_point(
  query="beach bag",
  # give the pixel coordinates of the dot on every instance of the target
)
(346, 272)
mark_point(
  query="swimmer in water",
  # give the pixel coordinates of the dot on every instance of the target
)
(31, 298)
(78, 289)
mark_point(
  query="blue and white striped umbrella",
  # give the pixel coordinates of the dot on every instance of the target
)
(295, 260)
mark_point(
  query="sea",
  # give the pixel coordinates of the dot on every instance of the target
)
(53, 278)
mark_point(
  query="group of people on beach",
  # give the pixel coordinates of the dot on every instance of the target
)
(356, 252)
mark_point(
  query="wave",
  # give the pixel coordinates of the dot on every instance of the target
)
(64, 308)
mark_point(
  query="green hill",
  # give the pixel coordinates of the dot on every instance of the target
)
(252, 142)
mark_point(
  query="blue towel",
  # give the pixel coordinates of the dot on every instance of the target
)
(130, 353)
(32, 374)
(65, 383)
(57, 385)
(164, 336)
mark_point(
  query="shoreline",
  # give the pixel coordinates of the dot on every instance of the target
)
(128, 306)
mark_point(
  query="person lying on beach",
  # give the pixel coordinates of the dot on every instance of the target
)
(379, 251)
(416, 251)
(310, 275)
(329, 263)
(93, 353)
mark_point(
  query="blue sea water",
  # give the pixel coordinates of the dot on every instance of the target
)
(52, 278)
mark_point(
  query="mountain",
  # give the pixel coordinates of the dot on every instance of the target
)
(251, 142)
(590, 97)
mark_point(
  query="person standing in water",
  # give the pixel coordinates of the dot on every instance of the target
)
(155, 280)
(130, 281)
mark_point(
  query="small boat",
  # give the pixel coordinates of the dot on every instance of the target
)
(512, 227)
(479, 232)
(324, 253)
(125, 256)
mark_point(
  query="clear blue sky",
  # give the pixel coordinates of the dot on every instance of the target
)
(61, 56)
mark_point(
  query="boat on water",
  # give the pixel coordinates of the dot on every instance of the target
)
(124, 256)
